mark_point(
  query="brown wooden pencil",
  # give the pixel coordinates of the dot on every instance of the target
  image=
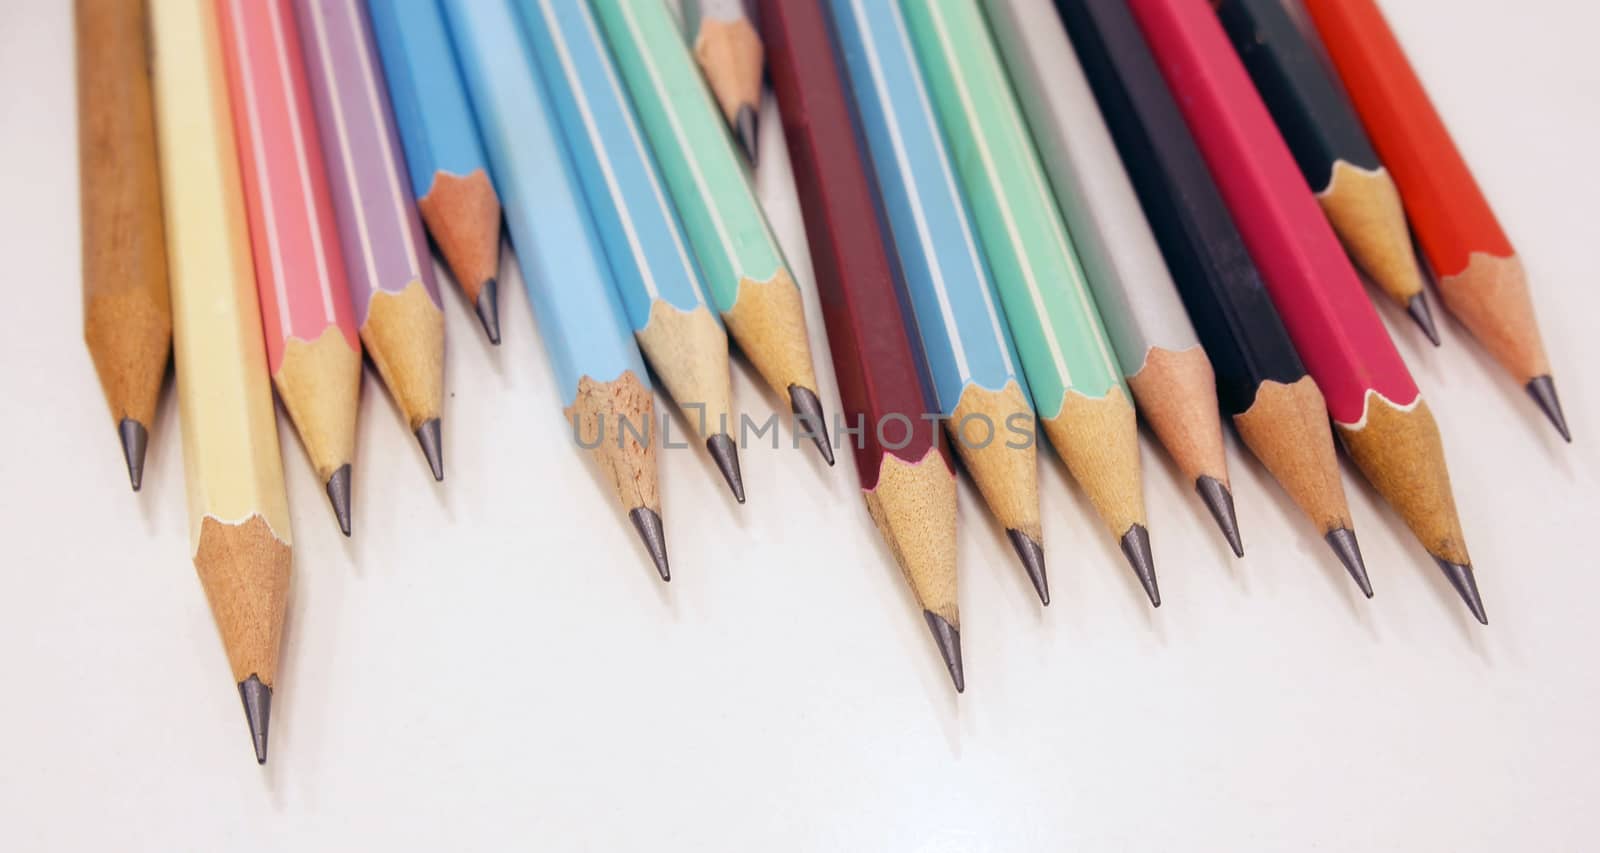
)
(127, 318)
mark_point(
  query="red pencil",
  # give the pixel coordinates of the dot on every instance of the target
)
(905, 469)
(1379, 413)
(1480, 277)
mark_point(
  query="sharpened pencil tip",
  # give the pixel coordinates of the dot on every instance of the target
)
(1422, 315)
(744, 124)
(726, 455)
(257, 699)
(1343, 542)
(648, 523)
(1543, 391)
(134, 440)
(1136, 547)
(1466, 584)
(948, 638)
(432, 447)
(1032, 555)
(488, 308)
(339, 496)
(1219, 501)
(809, 410)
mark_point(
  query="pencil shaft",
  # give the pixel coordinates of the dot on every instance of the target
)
(581, 319)
(1327, 141)
(1480, 277)
(238, 512)
(313, 350)
(1312, 284)
(1155, 344)
(444, 154)
(957, 316)
(1072, 371)
(127, 315)
(1218, 283)
(909, 485)
(396, 300)
(744, 270)
(655, 273)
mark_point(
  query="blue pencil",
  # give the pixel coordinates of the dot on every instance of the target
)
(968, 349)
(603, 383)
(655, 272)
(449, 170)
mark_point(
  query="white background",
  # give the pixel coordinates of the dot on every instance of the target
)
(490, 663)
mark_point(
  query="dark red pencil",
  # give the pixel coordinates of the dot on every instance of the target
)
(905, 470)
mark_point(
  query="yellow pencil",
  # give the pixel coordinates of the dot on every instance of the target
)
(238, 512)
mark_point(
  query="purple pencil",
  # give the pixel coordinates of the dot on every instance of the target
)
(386, 253)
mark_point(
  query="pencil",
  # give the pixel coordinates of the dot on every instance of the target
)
(598, 369)
(1161, 358)
(127, 318)
(727, 47)
(1377, 410)
(391, 274)
(655, 274)
(1480, 277)
(1072, 371)
(908, 482)
(1262, 386)
(744, 269)
(1333, 153)
(449, 171)
(238, 513)
(972, 364)
(312, 348)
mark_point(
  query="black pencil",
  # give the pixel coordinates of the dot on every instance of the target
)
(1262, 385)
(1333, 152)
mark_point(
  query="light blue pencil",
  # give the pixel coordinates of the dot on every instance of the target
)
(974, 367)
(603, 383)
(654, 270)
(449, 170)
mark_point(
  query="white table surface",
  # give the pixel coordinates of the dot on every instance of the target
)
(490, 663)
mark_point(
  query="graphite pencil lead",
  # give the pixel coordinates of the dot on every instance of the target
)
(1461, 577)
(726, 455)
(809, 409)
(339, 496)
(1032, 556)
(948, 638)
(432, 447)
(648, 523)
(1220, 501)
(134, 441)
(1343, 542)
(257, 699)
(1422, 315)
(745, 123)
(488, 308)
(1136, 547)
(1543, 391)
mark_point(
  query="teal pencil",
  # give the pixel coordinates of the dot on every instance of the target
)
(655, 274)
(602, 379)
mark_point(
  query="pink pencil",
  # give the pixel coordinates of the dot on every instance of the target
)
(313, 350)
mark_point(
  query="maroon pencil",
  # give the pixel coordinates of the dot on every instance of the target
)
(905, 469)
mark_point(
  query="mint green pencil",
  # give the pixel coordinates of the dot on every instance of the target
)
(744, 269)
(1077, 384)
